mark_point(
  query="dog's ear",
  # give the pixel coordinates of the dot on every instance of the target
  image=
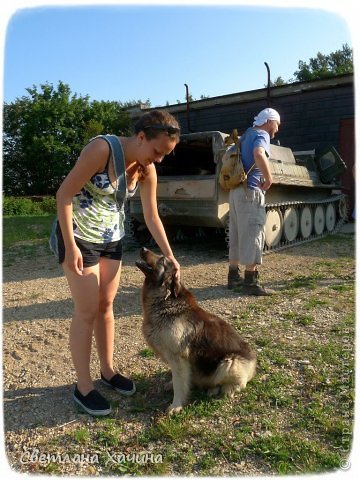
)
(172, 284)
(175, 286)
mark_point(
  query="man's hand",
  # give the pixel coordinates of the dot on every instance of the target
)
(265, 184)
(263, 165)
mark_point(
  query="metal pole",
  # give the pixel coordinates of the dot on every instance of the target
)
(268, 84)
(187, 107)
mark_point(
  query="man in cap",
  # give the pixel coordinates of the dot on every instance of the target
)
(247, 204)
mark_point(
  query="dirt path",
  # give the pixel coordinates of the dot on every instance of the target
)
(38, 372)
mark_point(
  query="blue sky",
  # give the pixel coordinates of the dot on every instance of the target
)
(121, 52)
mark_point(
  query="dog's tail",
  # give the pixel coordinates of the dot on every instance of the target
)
(235, 370)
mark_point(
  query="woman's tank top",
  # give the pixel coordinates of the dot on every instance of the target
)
(97, 217)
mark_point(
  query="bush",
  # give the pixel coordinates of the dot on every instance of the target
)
(16, 206)
(48, 205)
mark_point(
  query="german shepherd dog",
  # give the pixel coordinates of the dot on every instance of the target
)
(200, 348)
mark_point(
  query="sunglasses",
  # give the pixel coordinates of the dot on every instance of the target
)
(169, 129)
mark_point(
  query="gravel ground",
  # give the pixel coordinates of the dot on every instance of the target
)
(38, 376)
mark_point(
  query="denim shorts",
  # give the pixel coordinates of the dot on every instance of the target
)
(91, 252)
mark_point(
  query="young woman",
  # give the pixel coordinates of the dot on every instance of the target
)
(90, 229)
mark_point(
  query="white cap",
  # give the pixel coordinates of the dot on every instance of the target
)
(265, 115)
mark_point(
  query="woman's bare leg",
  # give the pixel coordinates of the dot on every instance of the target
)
(110, 271)
(85, 293)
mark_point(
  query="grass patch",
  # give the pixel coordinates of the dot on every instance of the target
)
(315, 303)
(146, 353)
(301, 319)
(110, 433)
(289, 453)
(304, 281)
(342, 288)
(21, 229)
(81, 435)
(175, 428)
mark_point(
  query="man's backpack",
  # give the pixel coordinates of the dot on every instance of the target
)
(232, 172)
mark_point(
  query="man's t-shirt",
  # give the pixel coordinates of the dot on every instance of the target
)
(250, 140)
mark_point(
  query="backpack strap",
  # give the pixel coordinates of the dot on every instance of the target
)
(241, 139)
(117, 155)
(238, 141)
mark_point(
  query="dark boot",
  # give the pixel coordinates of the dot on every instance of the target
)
(252, 285)
(234, 278)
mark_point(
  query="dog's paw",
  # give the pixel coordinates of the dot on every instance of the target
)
(173, 409)
(213, 392)
(230, 390)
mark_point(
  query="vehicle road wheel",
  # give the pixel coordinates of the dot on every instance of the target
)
(330, 217)
(273, 228)
(343, 208)
(319, 220)
(306, 222)
(291, 224)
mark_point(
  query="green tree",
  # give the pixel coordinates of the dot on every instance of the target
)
(44, 133)
(322, 66)
(111, 117)
(277, 83)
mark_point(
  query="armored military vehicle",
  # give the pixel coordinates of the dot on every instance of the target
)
(304, 203)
